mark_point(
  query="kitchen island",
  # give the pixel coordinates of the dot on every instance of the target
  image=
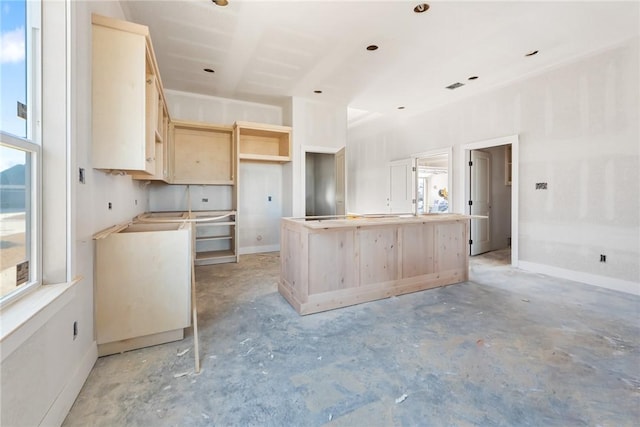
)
(332, 262)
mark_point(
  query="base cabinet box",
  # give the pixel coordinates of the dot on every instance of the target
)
(143, 286)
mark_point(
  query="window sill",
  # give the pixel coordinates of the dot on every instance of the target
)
(21, 319)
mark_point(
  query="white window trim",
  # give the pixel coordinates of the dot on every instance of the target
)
(31, 144)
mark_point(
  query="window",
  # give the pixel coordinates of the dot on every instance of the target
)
(19, 148)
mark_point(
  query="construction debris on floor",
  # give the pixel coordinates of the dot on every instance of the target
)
(505, 348)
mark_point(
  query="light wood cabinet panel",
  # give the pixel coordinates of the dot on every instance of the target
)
(143, 285)
(263, 142)
(127, 100)
(340, 261)
(201, 154)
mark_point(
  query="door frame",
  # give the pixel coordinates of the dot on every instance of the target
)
(463, 185)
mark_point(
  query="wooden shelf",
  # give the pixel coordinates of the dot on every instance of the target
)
(264, 158)
(213, 223)
(211, 238)
(216, 241)
(263, 142)
(215, 257)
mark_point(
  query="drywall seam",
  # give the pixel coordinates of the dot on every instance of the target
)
(578, 276)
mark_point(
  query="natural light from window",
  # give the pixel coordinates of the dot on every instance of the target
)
(16, 150)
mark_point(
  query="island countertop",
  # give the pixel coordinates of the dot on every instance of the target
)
(374, 219)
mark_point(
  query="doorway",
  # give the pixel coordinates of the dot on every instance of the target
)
(500, 230)
(433, 184)
(421, 184)
(325, 181)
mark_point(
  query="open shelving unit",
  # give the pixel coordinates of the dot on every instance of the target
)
(215, 240)
(263, 142)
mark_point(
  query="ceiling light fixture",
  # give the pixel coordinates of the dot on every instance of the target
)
(317, 91)
(401, 108)
(372, 47)
(533, 52)
(208, 70)
(455, 85)
(472, 78)
(421, 8)
(220, 2)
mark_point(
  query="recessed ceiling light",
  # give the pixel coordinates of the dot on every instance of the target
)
(472, 78)
(421, 8)
(220, 2)
(533, 52)
(455, 85)
(401, 108)
(317, 91)
(209, 70)
(372, 47)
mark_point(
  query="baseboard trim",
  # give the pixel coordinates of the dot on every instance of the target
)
(259, 249)
(58, 411)
(578, 276)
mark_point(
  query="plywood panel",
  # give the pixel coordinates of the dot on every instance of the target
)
(119, 90)
(142, 283)
(202, 155)
(348, 261)
(291, 259)
(378, 254)
(331, 261)
(417, 249)
(451, 246)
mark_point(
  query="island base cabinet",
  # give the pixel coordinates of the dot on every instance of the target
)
(143, 286)
(323, 268)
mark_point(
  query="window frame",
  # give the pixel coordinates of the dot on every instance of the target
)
(31, 145)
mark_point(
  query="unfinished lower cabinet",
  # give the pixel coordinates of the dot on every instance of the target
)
(215, 237)
(143, 285)
(331, 263)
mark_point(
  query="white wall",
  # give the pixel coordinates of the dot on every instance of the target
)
(317, 127)
(42, 376)
(579, 131)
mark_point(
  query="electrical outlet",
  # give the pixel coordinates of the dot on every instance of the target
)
(110, 206)
(81, 175)
(269, 198)
(603, 258)
(205, 200)
(75, 329)
(541, 185)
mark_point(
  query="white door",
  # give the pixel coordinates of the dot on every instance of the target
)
(340, 182)
(480, 201)
(402, 186)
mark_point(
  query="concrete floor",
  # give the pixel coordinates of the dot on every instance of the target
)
(506, 348)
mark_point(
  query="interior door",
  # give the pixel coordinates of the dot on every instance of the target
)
(402, 186)
(340, 182)
(480, 201)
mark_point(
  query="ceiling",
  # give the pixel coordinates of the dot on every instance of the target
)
(266, 51)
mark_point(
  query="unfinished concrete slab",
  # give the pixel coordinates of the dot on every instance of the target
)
(505, 348)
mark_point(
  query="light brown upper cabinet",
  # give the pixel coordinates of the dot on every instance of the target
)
(128, 104)
(263, 142)
(201, 153)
